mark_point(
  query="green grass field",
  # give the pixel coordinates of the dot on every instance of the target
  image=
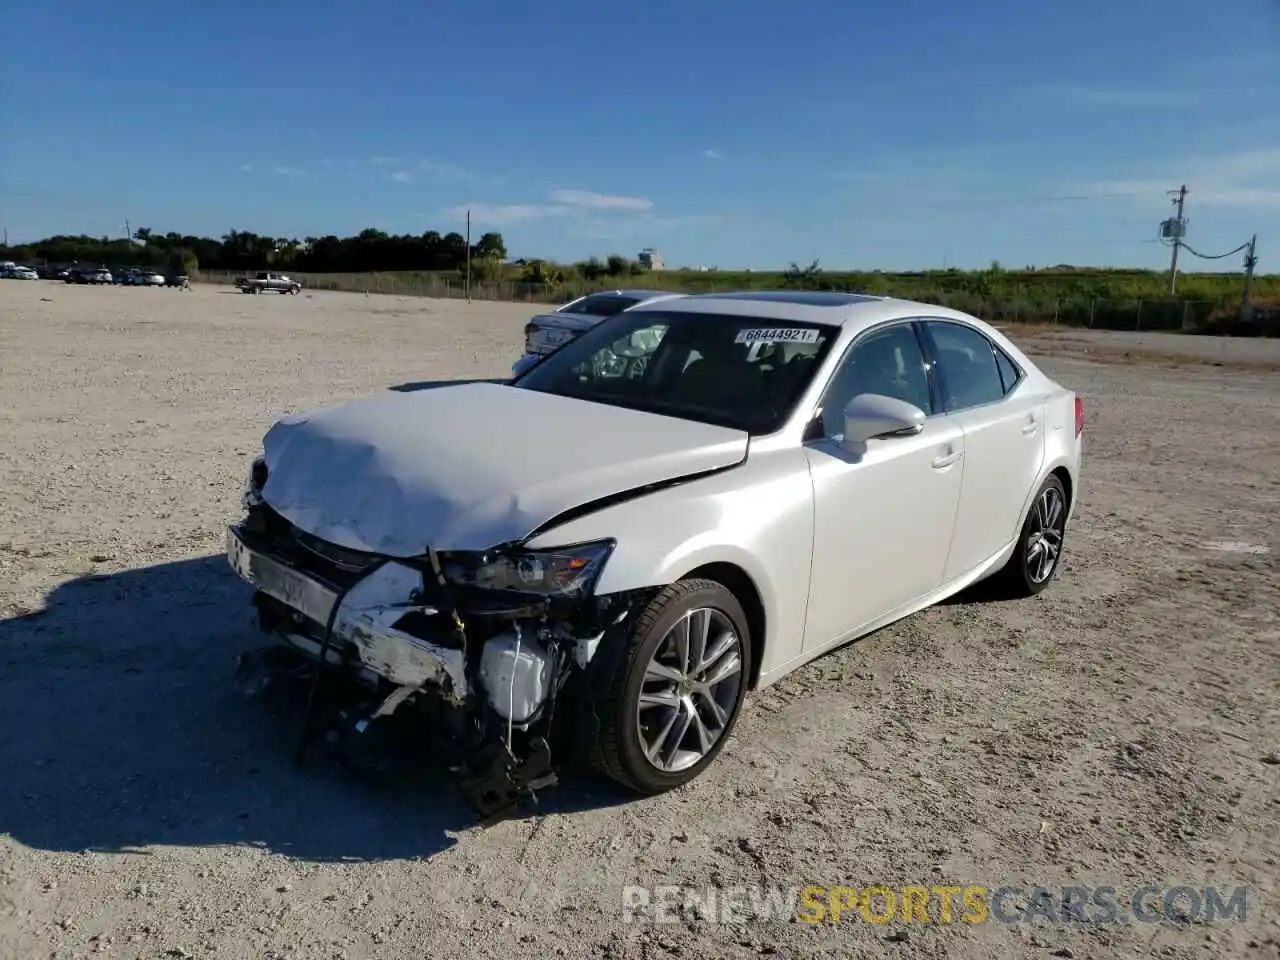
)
(1112, 299)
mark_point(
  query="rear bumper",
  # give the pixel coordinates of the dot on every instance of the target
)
(364, 616)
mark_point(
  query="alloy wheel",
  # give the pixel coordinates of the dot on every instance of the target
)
(1044, 542)
(691, 687)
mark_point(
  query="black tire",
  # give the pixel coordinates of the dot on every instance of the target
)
(1017, 579)
(614, 749)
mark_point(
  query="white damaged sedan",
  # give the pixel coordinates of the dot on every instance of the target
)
(688, 502)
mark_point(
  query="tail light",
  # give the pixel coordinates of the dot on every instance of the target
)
(1079, 416)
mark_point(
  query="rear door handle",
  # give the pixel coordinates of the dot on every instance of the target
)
(947, 459)
(1030, 427)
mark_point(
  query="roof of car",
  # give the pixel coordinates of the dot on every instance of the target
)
(804, 306)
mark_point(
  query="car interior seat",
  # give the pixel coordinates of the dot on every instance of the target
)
(721, 370)
(879, 369)
(963, 378)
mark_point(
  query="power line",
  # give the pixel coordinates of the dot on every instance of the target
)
(1047, 198)
(1203, 256)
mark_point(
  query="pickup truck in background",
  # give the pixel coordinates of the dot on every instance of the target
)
(261, 282)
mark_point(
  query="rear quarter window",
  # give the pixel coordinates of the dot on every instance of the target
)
(1010, 375)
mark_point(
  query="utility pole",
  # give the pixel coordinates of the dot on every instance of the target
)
(128, 234)
(468, 255)
(1250, 261)
(1179, 230)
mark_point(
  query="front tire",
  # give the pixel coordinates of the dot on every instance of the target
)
(674, 690)
(1038, 553)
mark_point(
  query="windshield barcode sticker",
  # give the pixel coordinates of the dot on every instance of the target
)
(777, 335)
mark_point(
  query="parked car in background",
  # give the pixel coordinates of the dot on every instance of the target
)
(264, 281)
(17, 271)
(149, 278)
(179, 280)
(95, 275)
(548, 332)
(787, 472)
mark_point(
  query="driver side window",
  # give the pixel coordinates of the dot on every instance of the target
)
(887, 361)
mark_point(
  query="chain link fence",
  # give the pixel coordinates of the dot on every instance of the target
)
(1090, 312)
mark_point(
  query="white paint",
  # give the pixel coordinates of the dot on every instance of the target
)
(468, 467)
(837, 542)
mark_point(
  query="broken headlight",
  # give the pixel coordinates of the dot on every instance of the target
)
(564, 572)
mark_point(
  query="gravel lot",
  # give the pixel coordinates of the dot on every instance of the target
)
(1113, 731)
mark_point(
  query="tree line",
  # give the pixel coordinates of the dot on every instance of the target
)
(369, 250)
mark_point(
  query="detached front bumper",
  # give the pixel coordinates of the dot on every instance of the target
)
(363, 619)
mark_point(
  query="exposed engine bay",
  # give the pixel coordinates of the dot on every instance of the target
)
(487, 650)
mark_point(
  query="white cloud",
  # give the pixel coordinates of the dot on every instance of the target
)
(246, 167)
(1248, 178)
(597, 211)
(411, 172)
(599, 201)
(289, 171)
(1117, 96)
(500, 214)
(438, 168)
(642, 226)
(713, 154)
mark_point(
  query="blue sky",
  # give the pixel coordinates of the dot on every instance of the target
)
(747, 134)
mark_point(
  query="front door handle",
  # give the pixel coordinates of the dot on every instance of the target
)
(947, 459)
(1030, 427)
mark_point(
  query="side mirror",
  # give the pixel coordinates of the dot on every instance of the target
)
(524, 365)
(871, 415)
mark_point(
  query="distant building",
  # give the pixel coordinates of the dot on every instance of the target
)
(651, 259)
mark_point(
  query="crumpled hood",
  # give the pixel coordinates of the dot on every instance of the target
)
(471, 466)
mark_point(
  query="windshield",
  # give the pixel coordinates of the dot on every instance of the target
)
(733, 371)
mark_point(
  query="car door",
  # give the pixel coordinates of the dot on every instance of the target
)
(884, 511)
(1003, 439)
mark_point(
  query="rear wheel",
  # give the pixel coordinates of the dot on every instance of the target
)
(675, 688)
(1038, 553)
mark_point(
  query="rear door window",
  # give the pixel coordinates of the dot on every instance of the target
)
(966, 364)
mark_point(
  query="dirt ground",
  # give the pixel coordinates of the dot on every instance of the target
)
(1115, 730)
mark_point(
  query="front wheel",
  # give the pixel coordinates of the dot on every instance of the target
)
(1038, 553)
(675, 688)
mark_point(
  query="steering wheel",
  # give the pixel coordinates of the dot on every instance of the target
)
(637, 367)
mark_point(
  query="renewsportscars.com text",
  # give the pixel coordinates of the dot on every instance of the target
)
(936, 904)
